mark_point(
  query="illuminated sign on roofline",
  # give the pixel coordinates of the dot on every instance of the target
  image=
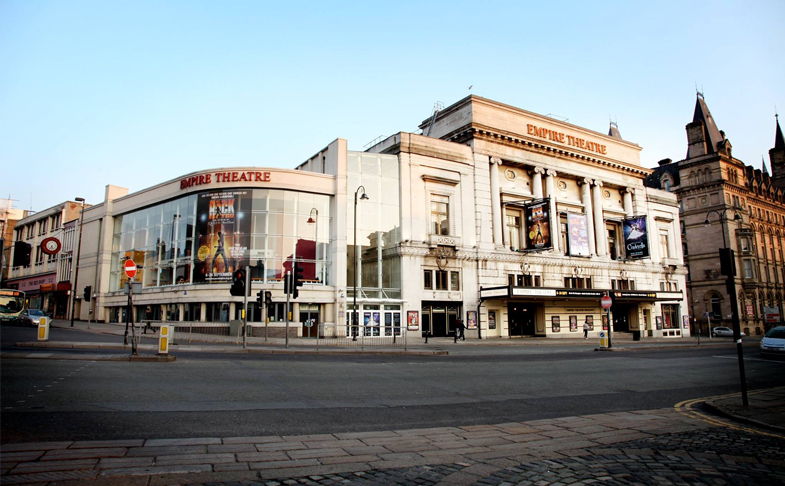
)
(560, 137)
(231, 176)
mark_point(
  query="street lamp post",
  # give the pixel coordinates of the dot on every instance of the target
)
(356, 319)
(728, 265)
(76, 266)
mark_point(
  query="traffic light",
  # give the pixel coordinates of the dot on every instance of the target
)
(22, 252)
(286, 284)
(727, 263)
(238, 286)
(88, 292)
(260, 298)
(268, 298)
(298, 274)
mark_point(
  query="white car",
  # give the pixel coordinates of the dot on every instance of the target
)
(773, 342)
(723, 331)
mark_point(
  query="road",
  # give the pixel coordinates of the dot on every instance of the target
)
(211, 394)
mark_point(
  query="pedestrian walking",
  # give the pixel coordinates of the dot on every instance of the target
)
(459, 328)
(585, 330)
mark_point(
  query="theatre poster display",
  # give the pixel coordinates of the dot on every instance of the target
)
(636, 239)
(579, 234)
(538, 225)
(223, 234)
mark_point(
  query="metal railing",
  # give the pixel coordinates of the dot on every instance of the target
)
(189, 331)
(349, 336)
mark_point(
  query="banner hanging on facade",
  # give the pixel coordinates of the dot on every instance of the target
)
(224, 220)
(636, 237)
(538, 225)
(578, 231)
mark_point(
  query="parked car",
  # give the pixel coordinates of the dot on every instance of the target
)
(723, 331)
(773, 342)
(31, 317)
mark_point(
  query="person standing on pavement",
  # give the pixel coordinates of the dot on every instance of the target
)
(459, 328)
(585, 330)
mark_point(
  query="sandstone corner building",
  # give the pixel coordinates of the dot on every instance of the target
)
(513, 222)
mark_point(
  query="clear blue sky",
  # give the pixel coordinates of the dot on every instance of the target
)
(134, 93)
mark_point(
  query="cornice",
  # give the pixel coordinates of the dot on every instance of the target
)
(521, 142)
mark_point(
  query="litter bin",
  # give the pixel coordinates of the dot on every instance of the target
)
(636, 335)
(235, 328)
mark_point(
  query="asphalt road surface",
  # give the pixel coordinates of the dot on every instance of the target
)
(211, 394)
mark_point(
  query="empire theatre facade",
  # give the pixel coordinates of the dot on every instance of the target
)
(513, 222)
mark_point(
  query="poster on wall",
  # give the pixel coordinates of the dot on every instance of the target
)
(223, 234)
(555, 324)
(590, 322)
(578, 231)
(491, 319)
(471, 319)
(413, 320)
(573, 323)
(686, 322)
(636, 240)
(604, 322)
(538, 225)
(658, 319)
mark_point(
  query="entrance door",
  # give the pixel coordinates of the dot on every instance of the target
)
(310, 321)
(621, 318)
(439, 322)
(521, 319)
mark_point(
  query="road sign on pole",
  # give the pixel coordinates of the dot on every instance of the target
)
(130, 268)
(606, 302)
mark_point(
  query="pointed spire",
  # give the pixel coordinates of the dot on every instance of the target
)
(779, 142)
(763, 163)
(702, 113)
(614, 132)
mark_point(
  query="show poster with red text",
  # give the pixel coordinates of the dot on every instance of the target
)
(538, 225)
(223, 239)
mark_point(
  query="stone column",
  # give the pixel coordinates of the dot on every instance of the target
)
(537, 182)
(599, 223)
(505, 233)
(550, 191)
(496, 201)
(586, 200)
(628, 206)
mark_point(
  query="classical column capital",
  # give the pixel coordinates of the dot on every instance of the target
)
(538, 170)
(597, 183)
(551, 173)
(585, 182)
(496, 160)
(627, 190)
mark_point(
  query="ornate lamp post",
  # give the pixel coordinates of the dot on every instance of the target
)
(76, 266)
(356, 320)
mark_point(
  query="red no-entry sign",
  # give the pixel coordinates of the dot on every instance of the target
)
(130, 268)
(606, 302)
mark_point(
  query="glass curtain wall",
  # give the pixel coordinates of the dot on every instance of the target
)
(378, 226)
(189, 240)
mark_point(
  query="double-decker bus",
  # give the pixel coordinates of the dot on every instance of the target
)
(12, 303)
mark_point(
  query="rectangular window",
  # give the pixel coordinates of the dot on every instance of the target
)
(455, 281)
(614, 250)
(565, 239)
(30, 231)
(577, 282)
(664, 246)
(514, 229)
(39, 256)
(42, 226)
(56, 221)
(441, 280)
(749, 268)
(428, 279)
(440, 214)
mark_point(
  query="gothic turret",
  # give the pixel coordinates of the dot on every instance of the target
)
(777, 157)
(703, 136)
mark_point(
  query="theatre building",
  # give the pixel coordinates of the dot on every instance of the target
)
(514, 222)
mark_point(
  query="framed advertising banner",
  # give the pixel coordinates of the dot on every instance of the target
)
(491, 319)
(223, 234)
(590, 322)
(555, 324)
(413, 320)
(636, 239)
(605, 322)
(573, 323)
(658, 320)
(578, 234)
(471, 319)
(686, 322)
(538, 225)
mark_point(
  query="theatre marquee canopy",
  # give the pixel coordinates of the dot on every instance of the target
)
(540, 293)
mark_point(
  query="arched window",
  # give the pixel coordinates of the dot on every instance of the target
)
(666, 182)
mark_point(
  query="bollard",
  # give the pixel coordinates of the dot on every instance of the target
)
(163, 340)
(43, 329)
(603, 339)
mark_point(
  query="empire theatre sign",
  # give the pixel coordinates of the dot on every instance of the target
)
(222, 177)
